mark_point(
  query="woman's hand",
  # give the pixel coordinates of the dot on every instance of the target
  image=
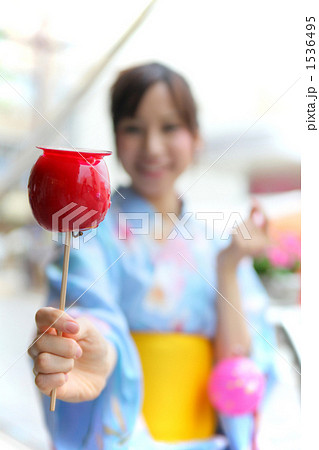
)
(78, 363)
(253, 244)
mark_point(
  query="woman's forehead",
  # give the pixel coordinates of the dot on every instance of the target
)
(139, 118)
(157, 99)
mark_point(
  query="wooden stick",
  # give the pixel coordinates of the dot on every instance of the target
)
(62, 296)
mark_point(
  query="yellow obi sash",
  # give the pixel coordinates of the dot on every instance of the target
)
(176, 368)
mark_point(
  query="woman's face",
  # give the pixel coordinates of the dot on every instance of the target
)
(155, 146)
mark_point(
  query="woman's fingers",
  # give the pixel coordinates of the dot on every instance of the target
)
(47, 363)
(46, 383)
(258, 216)
(47, 318)
(57, 345)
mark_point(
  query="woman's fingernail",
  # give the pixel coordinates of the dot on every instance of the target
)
(79, 352)
(71, 327)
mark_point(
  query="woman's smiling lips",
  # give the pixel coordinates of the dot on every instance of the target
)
(153, 169)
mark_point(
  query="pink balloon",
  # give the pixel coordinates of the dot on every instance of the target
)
(236, 386)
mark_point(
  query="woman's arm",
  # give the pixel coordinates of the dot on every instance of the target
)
(233, 336)
(232, 332)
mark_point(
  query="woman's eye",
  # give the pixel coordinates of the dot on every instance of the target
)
(170, 127)
(132, 129)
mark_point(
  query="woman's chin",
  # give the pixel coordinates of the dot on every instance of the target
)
(153, 188)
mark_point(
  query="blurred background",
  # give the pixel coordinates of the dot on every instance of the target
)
(57, 62)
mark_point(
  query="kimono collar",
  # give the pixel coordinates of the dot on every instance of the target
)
(134, 202)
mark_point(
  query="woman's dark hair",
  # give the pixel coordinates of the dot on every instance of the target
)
(131, 84)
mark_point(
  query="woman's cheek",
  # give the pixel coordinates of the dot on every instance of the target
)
(184, 146)
(121, 144)
(126, 150)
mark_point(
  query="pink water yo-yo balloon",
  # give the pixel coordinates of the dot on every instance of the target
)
(236, 386)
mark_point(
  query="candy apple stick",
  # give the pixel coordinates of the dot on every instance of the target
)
(62, 295)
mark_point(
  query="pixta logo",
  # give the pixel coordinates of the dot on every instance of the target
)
(153, 224)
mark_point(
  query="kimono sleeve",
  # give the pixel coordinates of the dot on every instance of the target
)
(93, 290)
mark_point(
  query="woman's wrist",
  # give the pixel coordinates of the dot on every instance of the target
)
(228, 259)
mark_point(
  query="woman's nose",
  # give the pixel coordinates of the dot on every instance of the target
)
(154, 143)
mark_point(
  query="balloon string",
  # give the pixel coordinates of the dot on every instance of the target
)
(254, 445)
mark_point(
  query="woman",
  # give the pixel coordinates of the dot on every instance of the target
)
(156, 302)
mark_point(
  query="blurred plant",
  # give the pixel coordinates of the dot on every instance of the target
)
(282, 256)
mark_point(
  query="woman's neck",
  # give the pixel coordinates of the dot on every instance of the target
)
(168, 203)
(164, 204)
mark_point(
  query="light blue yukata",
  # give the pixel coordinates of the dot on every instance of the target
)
(115, 279)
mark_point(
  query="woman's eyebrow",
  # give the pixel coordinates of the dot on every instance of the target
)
(129, 120)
